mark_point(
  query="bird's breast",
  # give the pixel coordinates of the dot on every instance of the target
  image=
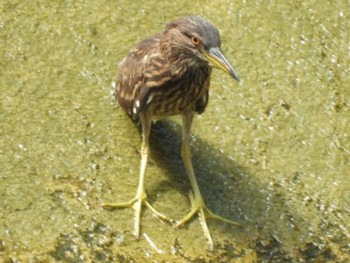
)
(177, 96)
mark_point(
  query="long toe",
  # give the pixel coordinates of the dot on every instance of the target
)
(199, 208)
(137, 202)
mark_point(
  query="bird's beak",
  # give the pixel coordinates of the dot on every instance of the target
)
(218, 60)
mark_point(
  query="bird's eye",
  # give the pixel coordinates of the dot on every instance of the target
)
(195, 41)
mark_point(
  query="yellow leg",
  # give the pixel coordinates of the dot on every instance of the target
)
(197, 203)
(140, 197)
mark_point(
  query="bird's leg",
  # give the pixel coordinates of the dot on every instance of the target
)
(141, 196)
(197, 202)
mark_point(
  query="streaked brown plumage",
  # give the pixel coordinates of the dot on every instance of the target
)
(165, 75)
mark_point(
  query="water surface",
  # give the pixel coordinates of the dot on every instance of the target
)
(272, 153)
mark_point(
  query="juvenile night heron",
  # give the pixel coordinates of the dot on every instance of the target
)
(169, 74)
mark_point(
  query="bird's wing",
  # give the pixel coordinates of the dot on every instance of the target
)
(143, 68)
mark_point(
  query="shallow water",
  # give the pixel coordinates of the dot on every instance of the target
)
(272, 153)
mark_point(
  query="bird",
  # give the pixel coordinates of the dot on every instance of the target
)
(164, 75)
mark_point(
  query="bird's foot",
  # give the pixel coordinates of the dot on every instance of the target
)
(136, 203)
(198, 207)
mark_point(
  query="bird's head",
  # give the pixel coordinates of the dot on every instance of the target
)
(197, 38)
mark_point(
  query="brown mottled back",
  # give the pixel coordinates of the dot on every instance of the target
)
(156, 79)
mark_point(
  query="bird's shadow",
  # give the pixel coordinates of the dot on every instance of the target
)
(228, 188)
(225, 185)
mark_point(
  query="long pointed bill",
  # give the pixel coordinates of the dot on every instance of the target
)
(218, 60)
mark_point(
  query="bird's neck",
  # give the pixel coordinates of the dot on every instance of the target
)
(181, 60)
